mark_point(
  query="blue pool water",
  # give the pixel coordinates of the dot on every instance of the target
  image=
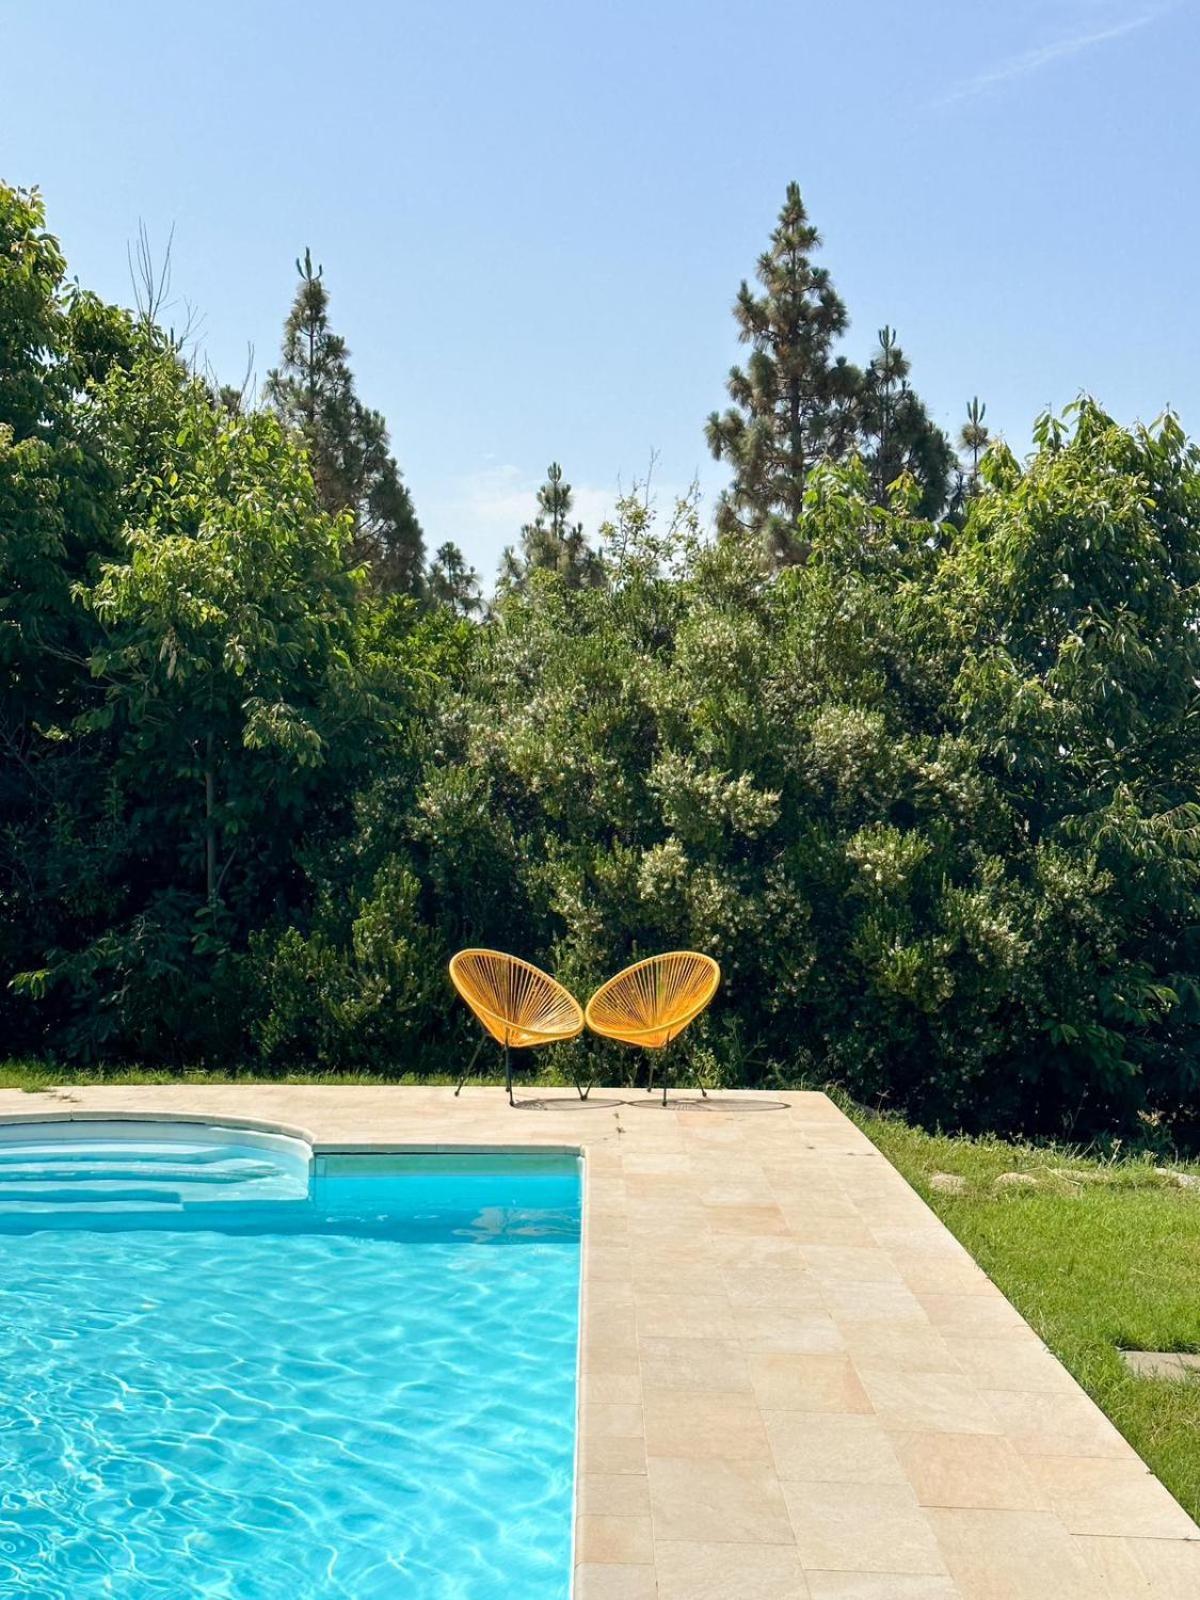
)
(225, 1375)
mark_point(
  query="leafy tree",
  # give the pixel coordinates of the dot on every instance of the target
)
(796, 403)
(55, 486)
(228, 700)
(192, 682)
(451, 582)
(552, 542)
(313, 391)
(58, 518)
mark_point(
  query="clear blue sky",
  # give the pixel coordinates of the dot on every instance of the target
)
(534, 217)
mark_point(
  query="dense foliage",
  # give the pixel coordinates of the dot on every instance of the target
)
(929, 794)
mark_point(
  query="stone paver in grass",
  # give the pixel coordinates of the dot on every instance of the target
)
(1170, 1365)
(795, 1382)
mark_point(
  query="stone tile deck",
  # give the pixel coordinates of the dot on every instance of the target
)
(796, 1384)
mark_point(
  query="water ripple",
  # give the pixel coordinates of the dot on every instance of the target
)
(320, 1415)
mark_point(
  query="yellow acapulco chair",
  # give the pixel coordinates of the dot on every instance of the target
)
(518, 1004)
(652, 1002)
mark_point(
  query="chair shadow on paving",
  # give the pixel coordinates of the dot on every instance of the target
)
(639, 1097)
(714, 1102)
(534, 1103)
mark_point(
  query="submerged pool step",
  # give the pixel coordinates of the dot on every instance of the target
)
(126, 1175)
(131, 1165)
(127, 1170)
(21, 1152)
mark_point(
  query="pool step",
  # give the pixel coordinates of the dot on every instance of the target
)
(130, 1176)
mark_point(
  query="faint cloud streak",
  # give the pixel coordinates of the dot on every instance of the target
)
(1030, 61)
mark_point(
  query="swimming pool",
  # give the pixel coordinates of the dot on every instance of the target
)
(232, 1371)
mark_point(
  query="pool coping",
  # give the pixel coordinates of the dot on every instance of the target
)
(792, 1381)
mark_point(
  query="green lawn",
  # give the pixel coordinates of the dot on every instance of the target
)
(33, 1075)
(1097, 1255)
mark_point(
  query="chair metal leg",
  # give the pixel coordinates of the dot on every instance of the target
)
(579, 1089)
(650, 1075)
(470, 1064)
(508, 1074)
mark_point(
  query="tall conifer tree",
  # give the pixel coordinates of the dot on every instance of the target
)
(896, 433)
(792, 401)
(313, 391)
(974, 437)
(552, 542)
(796, 402)
(452, 583)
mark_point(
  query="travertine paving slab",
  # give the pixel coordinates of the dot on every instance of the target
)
(795, 1383)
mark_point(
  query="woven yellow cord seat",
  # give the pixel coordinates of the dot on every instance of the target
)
(518, 1004)
(652, 1002)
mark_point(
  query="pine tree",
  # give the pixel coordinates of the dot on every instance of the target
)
(796, 403)
(973, 439)
(313, 391)
(973, 436)
(896, 433)
(452, 583)
(552, 542)
(792, 402)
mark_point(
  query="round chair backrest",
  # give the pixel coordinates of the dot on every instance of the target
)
(651, 1003)
(516, 1002)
